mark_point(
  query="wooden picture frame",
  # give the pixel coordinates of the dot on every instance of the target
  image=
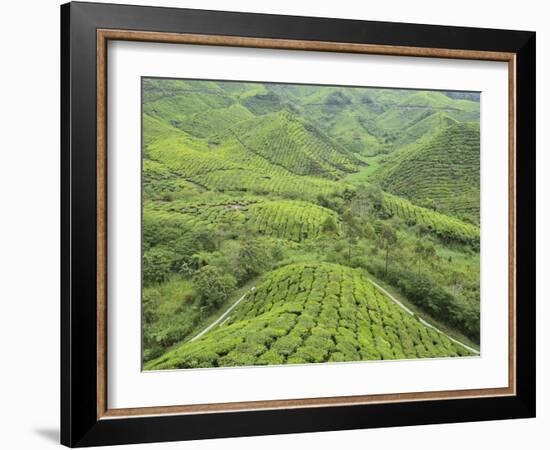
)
(86, 418)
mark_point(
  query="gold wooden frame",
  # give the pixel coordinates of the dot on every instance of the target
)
(104, 35)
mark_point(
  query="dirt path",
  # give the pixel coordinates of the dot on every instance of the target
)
(422, 321)
(223, 316)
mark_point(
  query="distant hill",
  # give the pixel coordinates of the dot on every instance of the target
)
(295, 145)
(311, 313)
(368, 121)
(360, 120)
(424, 127)
(474, 96)
(441, 173)
(284, 219)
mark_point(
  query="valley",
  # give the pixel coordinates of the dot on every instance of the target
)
(272, 213)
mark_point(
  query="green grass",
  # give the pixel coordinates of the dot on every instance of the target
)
(230, 166)
(170, 314)
(363, 175)
(214, 315)
(291, 220)
(213, 122)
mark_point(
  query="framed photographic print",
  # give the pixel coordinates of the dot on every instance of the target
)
(276, 224)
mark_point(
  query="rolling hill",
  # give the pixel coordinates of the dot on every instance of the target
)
(368, 120)
(441, 173)
(307, 193)
(286, 219)
(295, 145)
(311, 313)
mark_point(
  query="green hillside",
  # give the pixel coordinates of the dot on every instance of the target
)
(425, 127)
(285, 219)
(214, 121)
(300, 148)
(369, 121)
(297, 196)
(447, 228)
(309, 314)
(441, 173)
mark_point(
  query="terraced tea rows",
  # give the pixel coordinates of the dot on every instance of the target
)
(311, 313)
(289, 219)
(291, 144)
(446, 227)
(232, 168)
(240, 178)
(441, 173)
(284, 219)
(214, 121)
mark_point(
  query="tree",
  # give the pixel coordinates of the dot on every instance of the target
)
(418, 249)
(389, 238)
(277, 251)
(375, 196)
(360, 203)
(329, 225)
(424, 252)
(206, 239)
(223, 231)
(430, 253)
(157, 263)
(351, 230)
(212, 286)
(367, 201)
(253, 259)
(185, 269)
(149, 301)
(184, 248)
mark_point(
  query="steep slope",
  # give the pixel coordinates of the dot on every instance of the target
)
(284, 219)
(311, 313)
(295, 145)
(227, 165)
(214, 121)
(448, 229)
(425, 127)
(441, 173)
(371, 120)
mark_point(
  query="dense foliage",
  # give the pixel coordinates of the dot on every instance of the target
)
(307, 193)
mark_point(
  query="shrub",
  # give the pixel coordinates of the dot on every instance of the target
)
(270, 357)
(253, 259)
(150, 299)
(329, 225)
(285, 345)
(212, 286)
(157, 263)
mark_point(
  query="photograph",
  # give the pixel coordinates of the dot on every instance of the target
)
(287, 221)
(301, 223)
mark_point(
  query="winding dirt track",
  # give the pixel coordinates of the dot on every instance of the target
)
(223, 316)
(421, 320)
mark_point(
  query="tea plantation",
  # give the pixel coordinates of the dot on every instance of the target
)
(308, 313)
(296, 197)
(441, 173)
